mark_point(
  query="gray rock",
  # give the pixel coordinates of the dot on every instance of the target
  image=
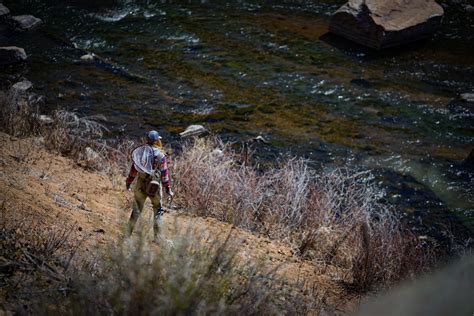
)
(88, 58)
(217, 152)
(3, 11)
(468, 97)
(193, 130)
(386, 23)
(11, 55)
(21, 87)
(45, 119)
(260, 139)
(26, 22)
(469, 8)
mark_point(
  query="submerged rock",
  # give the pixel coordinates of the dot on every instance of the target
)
(469, 161)
(386, 23)
(93, 59)
(11, 55)
(26, 22)
(193, 130)
(361, 83)
(463, 105)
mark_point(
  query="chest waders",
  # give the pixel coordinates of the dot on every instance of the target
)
(140, 197)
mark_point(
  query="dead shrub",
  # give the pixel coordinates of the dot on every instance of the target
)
(197, 275)
(32, 259)
(71, 135)
(333, 217)
(19, 115)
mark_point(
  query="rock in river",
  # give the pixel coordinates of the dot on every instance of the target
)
(468, 97)
(11, 55)
(463, 105)
(386, 23)
(26, 22)
(88, 58)
(21, 87)
(469, 161)
(3, 11)
(193, 130)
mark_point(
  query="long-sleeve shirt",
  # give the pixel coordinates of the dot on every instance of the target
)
(159, 161)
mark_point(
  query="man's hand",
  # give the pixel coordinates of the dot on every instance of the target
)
(127, 186)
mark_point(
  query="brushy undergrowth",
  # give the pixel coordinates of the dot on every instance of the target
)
(67, 133)
(332, 217)
(191, 274)
(34, 261)
(197, 275)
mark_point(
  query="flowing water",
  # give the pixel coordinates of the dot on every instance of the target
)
(245, 68)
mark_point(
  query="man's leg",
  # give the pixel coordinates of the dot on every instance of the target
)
(158, 215)
(136, 210)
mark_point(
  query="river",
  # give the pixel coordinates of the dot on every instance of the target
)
(248, 68)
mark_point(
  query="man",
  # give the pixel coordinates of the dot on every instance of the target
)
(144, 170)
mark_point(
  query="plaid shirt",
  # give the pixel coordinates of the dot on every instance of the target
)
(160, 162)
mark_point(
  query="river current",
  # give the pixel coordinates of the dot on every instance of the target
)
(248, 68)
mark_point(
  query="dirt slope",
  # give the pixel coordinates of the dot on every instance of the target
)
(59, 192)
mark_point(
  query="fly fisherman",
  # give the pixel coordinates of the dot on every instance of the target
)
(149, 166)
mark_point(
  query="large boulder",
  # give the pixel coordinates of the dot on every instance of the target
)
(11, 55)
(386, 23)
(193, 130)
(25, 22)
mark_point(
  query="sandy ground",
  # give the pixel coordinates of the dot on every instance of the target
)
(57, 192)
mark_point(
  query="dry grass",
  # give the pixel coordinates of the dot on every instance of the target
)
(34, 262)
(198, 275)
(333, 217)
(67, 133)
(194, 274)
(19, 115)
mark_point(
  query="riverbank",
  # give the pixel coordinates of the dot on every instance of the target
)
(322, 240)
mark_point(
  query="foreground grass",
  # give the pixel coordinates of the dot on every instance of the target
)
(192, 273)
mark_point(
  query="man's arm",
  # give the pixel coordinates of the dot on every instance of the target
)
(131, 176)
(165, 177)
